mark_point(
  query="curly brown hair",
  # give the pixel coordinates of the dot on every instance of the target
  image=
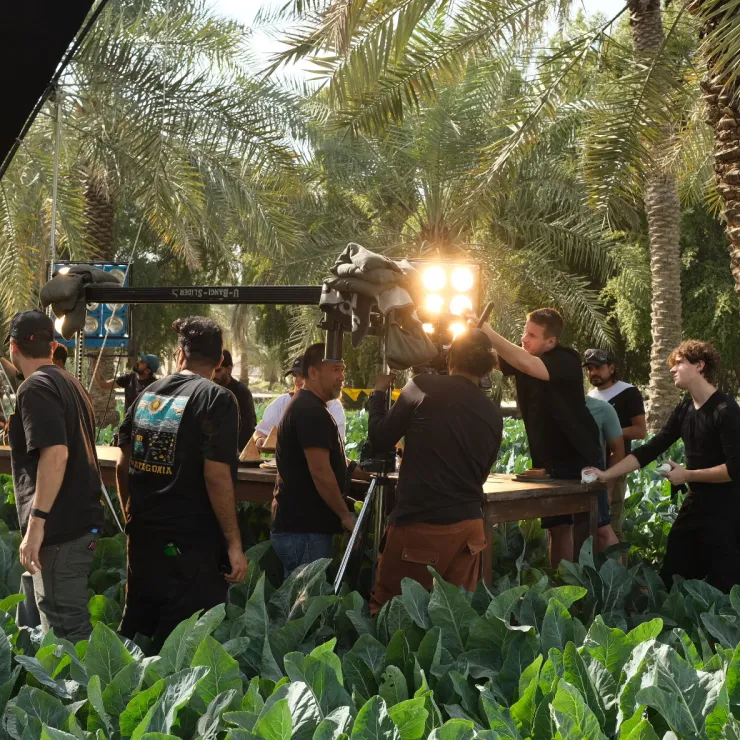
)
(694, 350)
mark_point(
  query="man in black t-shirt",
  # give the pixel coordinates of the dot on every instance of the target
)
(176, 476)
(703, 541)
(563, 436)
(133, 383)
(452, 435)
(247, 414)
(308, 508)
(627, 402)
(56, 478)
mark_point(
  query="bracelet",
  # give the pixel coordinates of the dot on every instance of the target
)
(39, 514)
(352, 467)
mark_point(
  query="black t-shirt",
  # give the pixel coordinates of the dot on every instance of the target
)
(133, 387)
(298, 507)
(628, 403)
(52, 408)
(177, 424)
(711, 436)
(247, 414)
(563, 436)
(453, 434)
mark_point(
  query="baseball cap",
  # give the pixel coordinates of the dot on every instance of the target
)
(228, 361)
(297, 366)
(151, 360)
(597, 357)
(29, 325)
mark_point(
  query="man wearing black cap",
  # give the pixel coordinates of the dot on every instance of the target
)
(630, 407)
(133, 383)
(247, 414)
(274, 412)
(453, 433)
(56, 477)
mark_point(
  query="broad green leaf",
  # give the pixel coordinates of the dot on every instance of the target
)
(499, 718)
(178, 691)
(393, 687)
(51, 733)
(305, 709)
(520, 651)
(415, 600)
(358, 675)
(566, 595)
(326, 654)
(95, 697)
(577, 675)
(643, 730)
(291, 635)
(635, 669)
(374, 723)
(320, 679)
(223, 674)
(506, 603)
(106, 655)
(158, 736)
(59, 687)
(124, 685)
(450, 611)
(294, 588)
(455, 729)
(726, 629)
(573, 718)
(523, 710)
(255, 624)
(557, 627)
(275, 723)
(705, 595)
(609, 645)
(179, 648)
(139, 706)
(334, 726)
(372, 652)
(104, 611)
(410, 718)
(209, 723)
(616, 582)
(39, 705)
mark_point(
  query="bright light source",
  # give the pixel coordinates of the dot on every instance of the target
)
(119, 275)
(457, 329)
(63, 270)
(435, 278)
(463, 279)
(434, 303)
(428, 328)
(91, 325)
(114, 325)
(92, 306)
(460, 304)
(114, 306)
(58, 325)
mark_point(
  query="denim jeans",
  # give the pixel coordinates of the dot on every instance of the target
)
(300, 548)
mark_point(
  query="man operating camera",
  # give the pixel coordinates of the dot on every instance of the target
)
(453, 433)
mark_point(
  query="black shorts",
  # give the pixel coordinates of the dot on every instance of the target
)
(163, 590)
(573, 472)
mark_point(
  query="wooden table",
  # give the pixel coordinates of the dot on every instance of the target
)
(504, 499)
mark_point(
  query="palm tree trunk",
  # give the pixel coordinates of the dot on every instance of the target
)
(663, 211)
(100, 214)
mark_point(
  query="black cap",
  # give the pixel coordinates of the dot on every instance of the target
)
(297, 366)
(30, 325)
(228, 361)
(597, 357)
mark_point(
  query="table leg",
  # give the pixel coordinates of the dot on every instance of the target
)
(487, 555)
(585, 525)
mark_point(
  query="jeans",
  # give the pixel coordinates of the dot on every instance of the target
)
(299, 548)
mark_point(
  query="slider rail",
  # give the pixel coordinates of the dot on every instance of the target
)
(296, 295)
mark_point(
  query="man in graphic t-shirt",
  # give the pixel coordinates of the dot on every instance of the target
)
(703, 542)
(308, 508)
(627, 402)
(176, 475)
(56, 478)
(563, 437)
(133, 383)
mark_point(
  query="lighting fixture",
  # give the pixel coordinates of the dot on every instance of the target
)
(457, 328)
(114, 325)
(91, 325)
(434, 303)
(435, 278)
(428, 328)
(460, 304)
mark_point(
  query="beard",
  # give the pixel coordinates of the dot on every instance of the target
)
(597, 381)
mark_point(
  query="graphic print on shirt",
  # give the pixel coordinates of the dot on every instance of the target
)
(156, 425)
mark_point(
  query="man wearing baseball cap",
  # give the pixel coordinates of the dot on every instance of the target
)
(134, 382)
(630, 407)
(247, 414)
(274, 412)
(56, 477)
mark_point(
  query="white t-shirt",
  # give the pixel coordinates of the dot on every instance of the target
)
(611, 392)
(274, 414)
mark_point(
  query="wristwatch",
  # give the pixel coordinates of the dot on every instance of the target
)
(39, 514)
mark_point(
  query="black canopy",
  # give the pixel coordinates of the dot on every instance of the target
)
(34, 37)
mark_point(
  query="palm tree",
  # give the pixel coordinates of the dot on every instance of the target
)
(162, 125)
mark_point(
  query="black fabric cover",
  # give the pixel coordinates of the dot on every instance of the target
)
(34, 35)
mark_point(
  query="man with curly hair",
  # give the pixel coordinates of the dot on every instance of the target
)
(703, 541)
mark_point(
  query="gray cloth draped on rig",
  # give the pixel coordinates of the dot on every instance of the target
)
(363, 279)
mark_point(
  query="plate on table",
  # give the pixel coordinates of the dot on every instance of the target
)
(269, 465)
(532, 479)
